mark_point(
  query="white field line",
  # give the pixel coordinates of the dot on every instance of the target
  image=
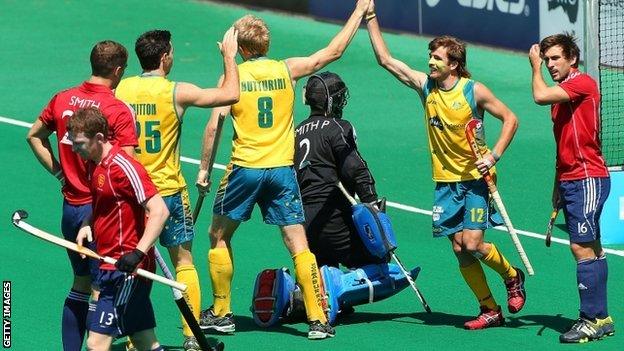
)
(396, 205)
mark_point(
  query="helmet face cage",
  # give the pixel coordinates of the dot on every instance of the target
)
(335, 91)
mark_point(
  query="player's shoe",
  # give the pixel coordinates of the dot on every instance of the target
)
(607, 326)
(516, 293)
(191, 344)
(319, 330)
(582, 331)
(486, 319)
(209, 321)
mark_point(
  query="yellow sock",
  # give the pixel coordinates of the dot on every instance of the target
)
(309, 278)
(475, 278)
(188, 275)
(499, 263)
(221, 271)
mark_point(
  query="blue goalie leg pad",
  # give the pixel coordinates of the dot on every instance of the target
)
(372, 283)
(332, 284)
(271, 296)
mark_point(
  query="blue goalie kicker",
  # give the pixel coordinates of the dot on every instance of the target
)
(277, 297)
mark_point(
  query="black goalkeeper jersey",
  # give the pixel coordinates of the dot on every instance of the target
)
(326, 152)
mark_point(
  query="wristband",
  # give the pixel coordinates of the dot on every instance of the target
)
(370, 17)
(495, 155)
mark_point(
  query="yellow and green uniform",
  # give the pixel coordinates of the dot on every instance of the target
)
(158, 128)
(263, 117)
(446, 114)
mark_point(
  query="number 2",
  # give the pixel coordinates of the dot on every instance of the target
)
(304, 143)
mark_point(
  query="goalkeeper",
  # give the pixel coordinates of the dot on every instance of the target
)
(326, 153)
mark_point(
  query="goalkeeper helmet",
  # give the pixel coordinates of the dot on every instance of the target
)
(326, 92)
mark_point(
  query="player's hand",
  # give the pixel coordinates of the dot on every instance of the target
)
(84, 233)
(534, 55)
(229, 45)
(203, 183)
(556, 199)
(371, 8)
(362, 6)
(129, 261)
(485, 163)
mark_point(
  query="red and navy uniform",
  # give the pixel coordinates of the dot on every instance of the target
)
(577, 129)
(76, 193)
(62, 106)
(120, 187)
(584, 183)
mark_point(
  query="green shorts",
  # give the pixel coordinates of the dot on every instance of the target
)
(179, 226)
(462, 205)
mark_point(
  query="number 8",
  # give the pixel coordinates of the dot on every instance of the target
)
(265, 112)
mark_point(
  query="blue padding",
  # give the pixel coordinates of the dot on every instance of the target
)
(332, 283)
(372, 282)
(277, 301)
(375, 230)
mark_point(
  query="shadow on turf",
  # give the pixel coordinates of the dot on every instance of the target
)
(557, 323)
(434, 318)
(121, 345)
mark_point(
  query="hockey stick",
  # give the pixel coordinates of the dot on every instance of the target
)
(186, 310)
(471, 127)
(551, 223)
(18, 221)
(211, 161)
(394, 256)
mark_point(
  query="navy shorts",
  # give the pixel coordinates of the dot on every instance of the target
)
(124, 306)
(462, 205)
(582, 205)
(179, 225)
(70, 224)
(275, 190)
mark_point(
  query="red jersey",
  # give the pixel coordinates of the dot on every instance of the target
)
(121, 122)
(577, 129)
(120, 186)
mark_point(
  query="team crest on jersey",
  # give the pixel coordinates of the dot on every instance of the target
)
(436, 122)
(100, 180)
(456, 105)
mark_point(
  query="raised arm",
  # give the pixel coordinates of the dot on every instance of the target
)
(227, 93)
(304, 66)
(412, 78)
(38, 139)
(542, 93)
(490, 103)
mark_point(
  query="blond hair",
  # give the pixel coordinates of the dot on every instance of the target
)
(253, 35)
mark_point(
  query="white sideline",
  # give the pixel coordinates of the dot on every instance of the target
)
(389, 203)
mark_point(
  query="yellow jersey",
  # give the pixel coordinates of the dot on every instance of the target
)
(158, 128)
(446, 114)
(264, 135)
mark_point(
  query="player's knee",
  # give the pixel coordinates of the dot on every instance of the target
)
(95, 344)
(145, 340)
